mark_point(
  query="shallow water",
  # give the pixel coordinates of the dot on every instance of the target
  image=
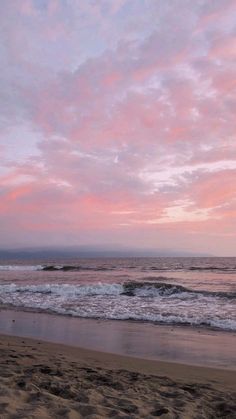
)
(142, 340)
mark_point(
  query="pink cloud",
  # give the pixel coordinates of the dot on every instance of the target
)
(130, 129)
(217, 189)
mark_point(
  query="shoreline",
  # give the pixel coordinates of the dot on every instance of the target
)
(39, 379)
(174, 370)
(156, 342)
(187, 326)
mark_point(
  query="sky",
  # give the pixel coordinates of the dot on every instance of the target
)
(117, 124)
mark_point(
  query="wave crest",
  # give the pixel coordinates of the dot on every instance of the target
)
(129, 289)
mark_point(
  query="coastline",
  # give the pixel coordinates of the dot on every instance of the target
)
(43, 380)
(182, 345)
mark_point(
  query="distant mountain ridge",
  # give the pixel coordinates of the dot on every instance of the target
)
(94, 252)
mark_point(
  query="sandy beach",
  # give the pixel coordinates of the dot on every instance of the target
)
(47, 380)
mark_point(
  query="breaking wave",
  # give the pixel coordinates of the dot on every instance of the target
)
(157, 302)
(130, 289)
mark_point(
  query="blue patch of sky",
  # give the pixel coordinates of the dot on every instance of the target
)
(41, 5)
(20, 143)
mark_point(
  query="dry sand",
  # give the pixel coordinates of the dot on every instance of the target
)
(48, 380)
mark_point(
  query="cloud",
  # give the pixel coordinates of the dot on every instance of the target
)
(118, 120)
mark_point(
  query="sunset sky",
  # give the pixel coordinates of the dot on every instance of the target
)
(117, 124)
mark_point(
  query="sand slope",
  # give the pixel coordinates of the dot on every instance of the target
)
(42, 380)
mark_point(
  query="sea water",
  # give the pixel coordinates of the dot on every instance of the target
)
(198, 292)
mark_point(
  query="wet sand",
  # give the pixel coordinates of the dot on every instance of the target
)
(48, 380)
(143, 340)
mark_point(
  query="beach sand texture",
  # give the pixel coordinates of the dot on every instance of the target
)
(46, 380)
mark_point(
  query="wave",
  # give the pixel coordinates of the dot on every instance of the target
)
(77, 268)
(213, 268)
(129, 289)
(64, 289)
(21, 267)
(49, 268)
(67, 268)
(156, 302)
(149, 289)
(167, 318)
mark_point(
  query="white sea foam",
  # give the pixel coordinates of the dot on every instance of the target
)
(122, 302)
(64, 289)
(21, 267)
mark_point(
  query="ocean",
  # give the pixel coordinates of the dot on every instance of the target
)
(196, 292)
